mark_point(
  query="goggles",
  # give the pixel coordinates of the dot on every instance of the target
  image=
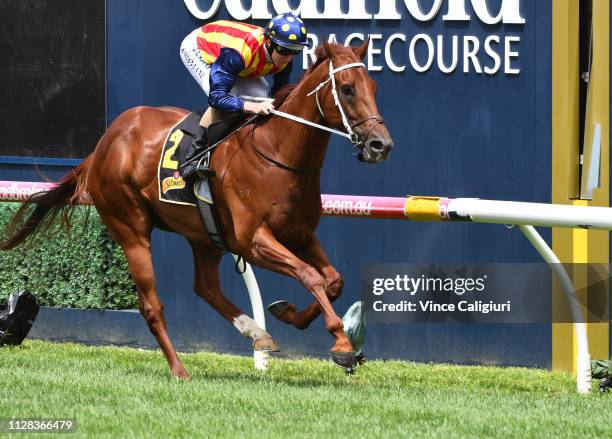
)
(283, 51)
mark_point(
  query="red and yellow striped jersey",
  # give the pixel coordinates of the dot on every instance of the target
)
(246, 39)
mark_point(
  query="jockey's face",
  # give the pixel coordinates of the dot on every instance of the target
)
(279, 59)
(282, 55)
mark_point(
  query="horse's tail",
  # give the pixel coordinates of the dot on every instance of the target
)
(41, 209)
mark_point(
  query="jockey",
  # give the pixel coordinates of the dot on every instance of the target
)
(230, 59)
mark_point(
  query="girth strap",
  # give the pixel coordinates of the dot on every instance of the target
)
(201, 189)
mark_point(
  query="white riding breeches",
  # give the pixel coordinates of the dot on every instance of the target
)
(200, 70)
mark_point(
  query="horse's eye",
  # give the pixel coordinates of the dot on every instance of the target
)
(347, 90)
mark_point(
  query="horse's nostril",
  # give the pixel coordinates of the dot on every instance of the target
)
(377, 145)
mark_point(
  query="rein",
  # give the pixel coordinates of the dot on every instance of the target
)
(350, 133)
(307, 122)
(282, 165)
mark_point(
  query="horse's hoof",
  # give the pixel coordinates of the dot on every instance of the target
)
(265, 345)
(282, 309)
(345, 360)
(278, 308)
(361, 359)
(181, 374)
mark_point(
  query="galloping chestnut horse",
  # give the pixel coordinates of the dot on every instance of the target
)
(267, 196)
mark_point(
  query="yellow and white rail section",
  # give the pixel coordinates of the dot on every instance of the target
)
(524, 215)
(416, 208)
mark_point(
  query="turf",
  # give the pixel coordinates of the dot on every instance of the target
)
(121, 393)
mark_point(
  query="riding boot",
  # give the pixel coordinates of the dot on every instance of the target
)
(191, 170)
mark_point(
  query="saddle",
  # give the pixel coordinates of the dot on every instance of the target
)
(189, 145)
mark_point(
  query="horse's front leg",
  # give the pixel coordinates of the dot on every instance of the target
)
(313, 254)
(268, 253)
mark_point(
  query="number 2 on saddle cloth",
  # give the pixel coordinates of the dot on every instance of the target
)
(180, 139)
(172, 187)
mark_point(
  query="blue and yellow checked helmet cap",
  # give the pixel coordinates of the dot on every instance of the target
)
(287, 30)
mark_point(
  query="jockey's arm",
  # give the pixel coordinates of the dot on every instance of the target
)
(281, 78)
(223, 75)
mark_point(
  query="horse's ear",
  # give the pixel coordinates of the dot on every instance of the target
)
(362, 50)
(328, 49)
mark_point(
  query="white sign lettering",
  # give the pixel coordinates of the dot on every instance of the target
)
(394, 67)
(454, 55)
(398, 52)
(258, 10)
(415, 10)
(420, 52)
(347, 207)
(509, 12)
(195, 10)
(493, 54)
(18, 191)
(471, 46)
(430, 53)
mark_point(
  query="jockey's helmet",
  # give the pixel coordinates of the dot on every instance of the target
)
(288, 31)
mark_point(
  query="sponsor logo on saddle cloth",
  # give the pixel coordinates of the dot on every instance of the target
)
(172, 187)
(172, 183)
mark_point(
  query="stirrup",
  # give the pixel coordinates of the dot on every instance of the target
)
(200, 143)
(196, 169)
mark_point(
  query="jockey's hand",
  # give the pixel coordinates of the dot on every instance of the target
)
(262, 108)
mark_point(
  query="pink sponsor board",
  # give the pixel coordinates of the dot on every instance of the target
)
(333, 205)
(365, 207)
(21, 190)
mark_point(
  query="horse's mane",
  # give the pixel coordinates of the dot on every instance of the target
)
(321, 55)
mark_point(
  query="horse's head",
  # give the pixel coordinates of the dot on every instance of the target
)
(347, 100)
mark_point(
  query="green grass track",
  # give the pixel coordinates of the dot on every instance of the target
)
(122, 393)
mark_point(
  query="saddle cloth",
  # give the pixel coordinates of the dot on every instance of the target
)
(172, 188)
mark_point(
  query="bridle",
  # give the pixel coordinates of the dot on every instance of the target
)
(350, 133)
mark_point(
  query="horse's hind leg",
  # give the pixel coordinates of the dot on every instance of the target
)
(135, 239)
(313, 254)
(208, 287)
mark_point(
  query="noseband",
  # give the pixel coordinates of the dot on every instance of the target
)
(352, 135)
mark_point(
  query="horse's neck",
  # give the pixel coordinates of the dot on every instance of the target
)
(293, 143)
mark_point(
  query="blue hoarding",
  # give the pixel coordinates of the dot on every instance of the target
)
(465, 89)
